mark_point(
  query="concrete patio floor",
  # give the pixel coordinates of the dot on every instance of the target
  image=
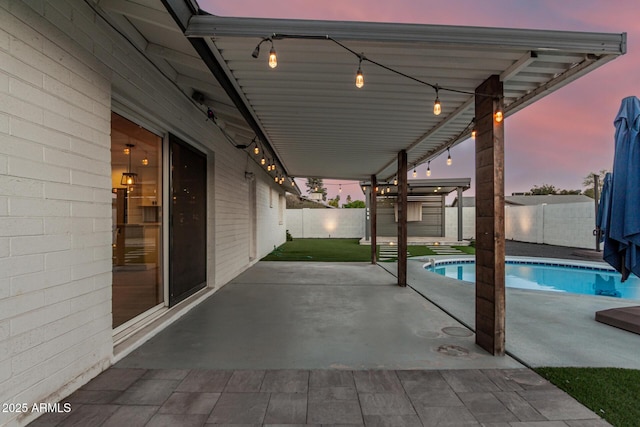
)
(319, 344)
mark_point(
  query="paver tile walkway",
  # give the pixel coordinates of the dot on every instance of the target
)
(468, 397)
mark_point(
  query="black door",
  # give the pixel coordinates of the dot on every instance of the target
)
(188, 221)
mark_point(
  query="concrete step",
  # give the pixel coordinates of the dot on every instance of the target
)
(444, 250)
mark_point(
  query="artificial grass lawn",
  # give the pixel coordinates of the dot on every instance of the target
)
(331, 250)
(612, 393)
(347, 250)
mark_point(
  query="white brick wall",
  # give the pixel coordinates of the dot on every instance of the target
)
(568, 224)
(270, 232)
(60, 68)
(468, 222)
(326, 223)
(55, 313)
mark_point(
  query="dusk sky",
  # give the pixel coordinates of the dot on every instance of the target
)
(558, 140)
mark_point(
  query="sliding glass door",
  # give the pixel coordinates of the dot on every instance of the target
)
(136, 175)
(188, 223)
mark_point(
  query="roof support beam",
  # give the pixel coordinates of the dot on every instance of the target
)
(490, 246)
(451, 118)
(518, 66)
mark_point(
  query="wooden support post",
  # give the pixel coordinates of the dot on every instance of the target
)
(490, 246)
(596, 198)
(373, 196)
(402, 218)
(459, 189)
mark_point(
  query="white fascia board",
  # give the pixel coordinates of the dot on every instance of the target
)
(500, 38)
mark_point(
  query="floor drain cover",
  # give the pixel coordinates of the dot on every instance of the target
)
(453, 350)
(456, 331)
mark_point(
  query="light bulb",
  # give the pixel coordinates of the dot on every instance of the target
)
(474, 133)
(498, 116)
(395, 181)
(273, 59)
(388, 189)
(437, 107)
(429, 168)
(340, 189)
(415, 173)
(145, 161)
(129, 180)
(263, 161)
(276, 179)
(127, 151)
(256, 151)
(359, 79)
(364, 188)
(449, 161)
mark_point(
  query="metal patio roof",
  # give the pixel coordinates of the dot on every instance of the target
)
(308, 110)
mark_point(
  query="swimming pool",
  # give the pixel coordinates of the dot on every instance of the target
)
(559, 276)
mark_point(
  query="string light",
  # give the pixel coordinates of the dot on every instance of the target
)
(429, 168)
(388, 189)
(359, 76)
(273, 59)
(415, 174)
(437, 107)
(256, 150)
(395, 181)
(263, 161)
(449, 161)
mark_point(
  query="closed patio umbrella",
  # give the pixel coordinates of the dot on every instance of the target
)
(622, 230)
(604, 207)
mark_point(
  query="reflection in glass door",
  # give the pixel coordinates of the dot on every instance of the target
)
(136, 175)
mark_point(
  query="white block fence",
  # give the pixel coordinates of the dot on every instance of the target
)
(568, 224)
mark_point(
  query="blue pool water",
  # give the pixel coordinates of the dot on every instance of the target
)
(550, 277)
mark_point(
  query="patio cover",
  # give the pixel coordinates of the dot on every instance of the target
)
(320, 125)
(308, 113)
